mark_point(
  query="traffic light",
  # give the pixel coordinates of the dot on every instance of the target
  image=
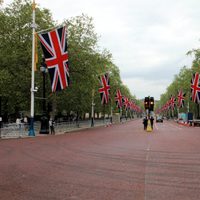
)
(151, 104)
(146, 103)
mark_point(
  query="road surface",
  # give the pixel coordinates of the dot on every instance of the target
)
(121, 162)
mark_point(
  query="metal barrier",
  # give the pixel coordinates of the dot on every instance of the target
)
(75, 125)
(194, 122)
(14, 130)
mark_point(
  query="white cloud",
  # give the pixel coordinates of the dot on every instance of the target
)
(144, 87)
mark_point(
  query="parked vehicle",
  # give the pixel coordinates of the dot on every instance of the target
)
(159, 119)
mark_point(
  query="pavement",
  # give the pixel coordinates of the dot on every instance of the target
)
(119, 162)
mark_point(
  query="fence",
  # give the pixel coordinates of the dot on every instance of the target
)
(14, 130)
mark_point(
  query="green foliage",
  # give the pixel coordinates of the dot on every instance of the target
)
(15, 48)
(183, 81)
(86, 63)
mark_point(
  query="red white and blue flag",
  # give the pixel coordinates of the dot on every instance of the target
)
(54, 46)
(172, 102)
(181, 99)
(118, 99)
(105, 89)
(195, 88)
(126, 103)
(167, 105)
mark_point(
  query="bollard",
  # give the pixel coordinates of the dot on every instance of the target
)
(149, 129)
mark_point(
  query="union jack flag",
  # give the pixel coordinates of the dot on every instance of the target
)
(167, 105)
(126, 103)
(105, 89)
(195, 88)
(181, 98)
(54, 46)
(172, 102)
(118, 99)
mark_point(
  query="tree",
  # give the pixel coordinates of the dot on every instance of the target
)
(15, 48)
(86, 62)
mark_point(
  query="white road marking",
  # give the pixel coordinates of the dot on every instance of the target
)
(156, 126)
(145, 178)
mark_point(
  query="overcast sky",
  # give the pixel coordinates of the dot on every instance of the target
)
(148, 39)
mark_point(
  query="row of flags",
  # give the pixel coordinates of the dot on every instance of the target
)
(124, 101)
(121, 101)
(173, 102)
(55, 51)
(195, 95)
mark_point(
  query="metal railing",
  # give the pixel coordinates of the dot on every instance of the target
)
(14, 130)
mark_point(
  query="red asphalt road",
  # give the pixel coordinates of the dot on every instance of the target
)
(122, 162)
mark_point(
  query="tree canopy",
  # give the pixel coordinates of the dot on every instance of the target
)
(86, 62)
(183, 81)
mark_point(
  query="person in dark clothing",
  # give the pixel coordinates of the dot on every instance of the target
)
(51, 124)
(145, 121)
(151, 120)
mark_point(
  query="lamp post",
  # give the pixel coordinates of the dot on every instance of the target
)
(111, 111)
(44, 119)
(198, 112)
(92, 114)
(0, 117)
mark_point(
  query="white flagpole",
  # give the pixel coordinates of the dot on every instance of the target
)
(188, 106)
(120, 114)
(31, 130)
(178, 113)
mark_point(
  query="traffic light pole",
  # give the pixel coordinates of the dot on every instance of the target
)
(149, 105)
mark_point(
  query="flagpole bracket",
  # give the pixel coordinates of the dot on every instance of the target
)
(34, 25)
(34, 90)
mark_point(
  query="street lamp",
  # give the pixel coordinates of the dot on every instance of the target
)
(44, 119)
(92, 114)
(0, 117)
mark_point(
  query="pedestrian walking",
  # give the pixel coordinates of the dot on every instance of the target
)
(51, 124)
(151, 120)
(145, 123)
(26, 123)
(18, 122)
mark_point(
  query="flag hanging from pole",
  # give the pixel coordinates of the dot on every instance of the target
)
(181, 99)
(126, 103)
(36, 53)
(172, 102)
(54, 46)
(118, 99)
(195, 88)
(105, 89)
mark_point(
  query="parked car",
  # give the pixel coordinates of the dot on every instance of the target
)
(159, 119)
